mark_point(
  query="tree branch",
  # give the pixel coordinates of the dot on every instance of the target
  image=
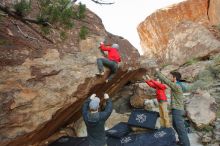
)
(3, 14)
(102, 3)
(31, 20)
(98, 2)
(46, 38)
(25, 35)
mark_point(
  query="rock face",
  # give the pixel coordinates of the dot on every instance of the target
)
(214, 12)
(189, 40)
(190, 72)
(141, 91)
(122, 103)
(154, 31)
(180, 32)
(43, 84)
(217, 130)
(201, 109)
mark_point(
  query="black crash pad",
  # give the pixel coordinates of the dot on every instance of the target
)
(143, 118)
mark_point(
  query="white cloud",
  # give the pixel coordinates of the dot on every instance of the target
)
(123, 17)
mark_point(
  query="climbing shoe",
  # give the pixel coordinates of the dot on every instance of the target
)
(100, 74)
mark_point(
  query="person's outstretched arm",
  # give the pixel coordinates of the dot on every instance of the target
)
(85, 107)
(150, 83)
(108, 108)
(164, 79)
(119, 59)
(103, 47)
(158, 85)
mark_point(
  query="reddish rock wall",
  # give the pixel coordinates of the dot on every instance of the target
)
(214, 12)
(155, 29)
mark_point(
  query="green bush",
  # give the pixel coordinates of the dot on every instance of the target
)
(164, 65)
(207, 128)
(65, 18)
(56, 12)
(215, 67)
(59, 13)
(191, 61)
(217, 59)
(45, 30)
(83, 32)
(22, 8)
(80, 12)
(206, 75)
(41, 20)
(203, 80)
(218, 113)
(200, 84)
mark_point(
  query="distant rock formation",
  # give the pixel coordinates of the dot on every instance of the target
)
(214, 12)
(178, 30)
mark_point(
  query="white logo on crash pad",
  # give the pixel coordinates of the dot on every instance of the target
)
(125, 139)
(141, 118)
(159, 134)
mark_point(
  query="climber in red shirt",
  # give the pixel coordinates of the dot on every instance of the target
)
(162, 100)
(111, 61)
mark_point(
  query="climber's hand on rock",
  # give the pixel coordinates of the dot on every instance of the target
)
(106, 96)
(148, 78)
(101, 43)
(157, 69)
(144, 77)
(120, 64)
(92, 96)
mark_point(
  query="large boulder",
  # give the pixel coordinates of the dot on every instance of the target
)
(121, 104)
(141, 91)
(191, 71)
(181, 32)
(190, 40)
(154, 31)
(169, 68)
(214, 12)
(201, 109)
(217, 130)
(45, 80)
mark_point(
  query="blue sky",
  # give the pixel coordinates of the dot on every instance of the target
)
(123, 17)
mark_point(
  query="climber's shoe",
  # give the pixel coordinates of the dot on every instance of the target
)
(100, 74)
